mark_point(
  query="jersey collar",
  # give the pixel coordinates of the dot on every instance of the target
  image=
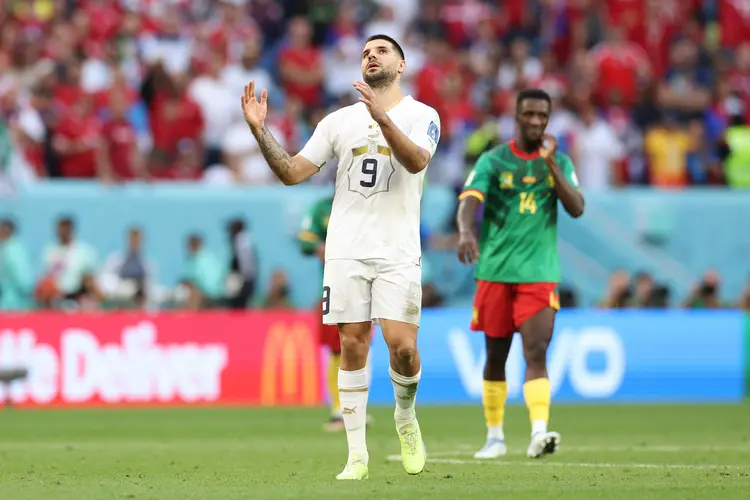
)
(522, 154)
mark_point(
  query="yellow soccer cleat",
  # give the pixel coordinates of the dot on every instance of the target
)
(355, 470)
(413, 454)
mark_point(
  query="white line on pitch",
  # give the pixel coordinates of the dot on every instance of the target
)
(603, 465)
(464, 450)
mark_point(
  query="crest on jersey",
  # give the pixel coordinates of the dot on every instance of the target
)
(506, 180)
(550, 180)
(433, 132)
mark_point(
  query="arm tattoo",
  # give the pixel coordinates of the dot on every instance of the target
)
(278, 159)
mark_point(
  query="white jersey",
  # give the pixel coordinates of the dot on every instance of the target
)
(376, 204)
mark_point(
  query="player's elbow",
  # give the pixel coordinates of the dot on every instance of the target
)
(292, 177)
(415, 169)
(576, 211)
(417, 164)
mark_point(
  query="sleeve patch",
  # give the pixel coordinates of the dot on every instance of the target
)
(433, 132)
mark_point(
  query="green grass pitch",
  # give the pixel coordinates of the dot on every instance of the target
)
(607, 452)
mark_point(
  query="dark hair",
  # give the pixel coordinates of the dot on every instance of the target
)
(66, 220)
(9, 223)
(526, 94)
(236, 225)
(391, 41)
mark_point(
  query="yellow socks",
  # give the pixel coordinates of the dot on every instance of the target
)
(494, 395)
(538, 394)
(332, 380)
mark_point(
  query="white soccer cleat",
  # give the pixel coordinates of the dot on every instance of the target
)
(355, 470)
(494, 448)
(543, 443)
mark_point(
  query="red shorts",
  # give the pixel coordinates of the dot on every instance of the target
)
(329, 336)
(501, 308)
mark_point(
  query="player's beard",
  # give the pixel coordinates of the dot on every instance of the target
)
(381, 79)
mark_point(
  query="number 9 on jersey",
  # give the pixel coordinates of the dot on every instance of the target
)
(371, 175)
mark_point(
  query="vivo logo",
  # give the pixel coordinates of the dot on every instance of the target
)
(567, 359)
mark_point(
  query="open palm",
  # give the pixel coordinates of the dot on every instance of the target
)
(254, 110)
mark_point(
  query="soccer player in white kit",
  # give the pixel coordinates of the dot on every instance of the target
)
(373, 254)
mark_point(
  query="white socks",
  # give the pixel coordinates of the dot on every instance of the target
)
(405, 391)
(495, 432)
(353, 392)
(538, 426)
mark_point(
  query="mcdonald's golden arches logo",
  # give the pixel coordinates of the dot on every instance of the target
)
(290, 356)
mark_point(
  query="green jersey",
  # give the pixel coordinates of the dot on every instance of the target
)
(315, 226)
(518, 237)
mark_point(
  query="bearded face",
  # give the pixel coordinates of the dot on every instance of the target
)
(381, 64)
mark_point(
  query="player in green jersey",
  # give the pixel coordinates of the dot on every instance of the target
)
(312, 240)
(517, 263)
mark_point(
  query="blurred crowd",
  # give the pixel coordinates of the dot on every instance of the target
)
(642, 291)
(646, 92)
(73, 275)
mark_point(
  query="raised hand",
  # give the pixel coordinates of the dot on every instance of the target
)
(368, 97)
(548, 148)
(254, 110)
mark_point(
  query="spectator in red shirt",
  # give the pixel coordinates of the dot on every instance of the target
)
(106, 16)
(79, 144)
(174, 117)
(301, 65)
(439, 62)
(69, 91)
(455, 110)
(621, 65)
(121, 140)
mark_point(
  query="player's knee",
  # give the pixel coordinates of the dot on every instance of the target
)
(405, 350)
(354, 343)
(535, 352)
(496, 357)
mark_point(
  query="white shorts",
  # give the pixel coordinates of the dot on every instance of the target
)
(355, 291)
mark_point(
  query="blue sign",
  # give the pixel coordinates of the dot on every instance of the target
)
(595, 356)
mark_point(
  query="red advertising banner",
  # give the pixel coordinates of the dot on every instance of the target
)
(252, 358)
